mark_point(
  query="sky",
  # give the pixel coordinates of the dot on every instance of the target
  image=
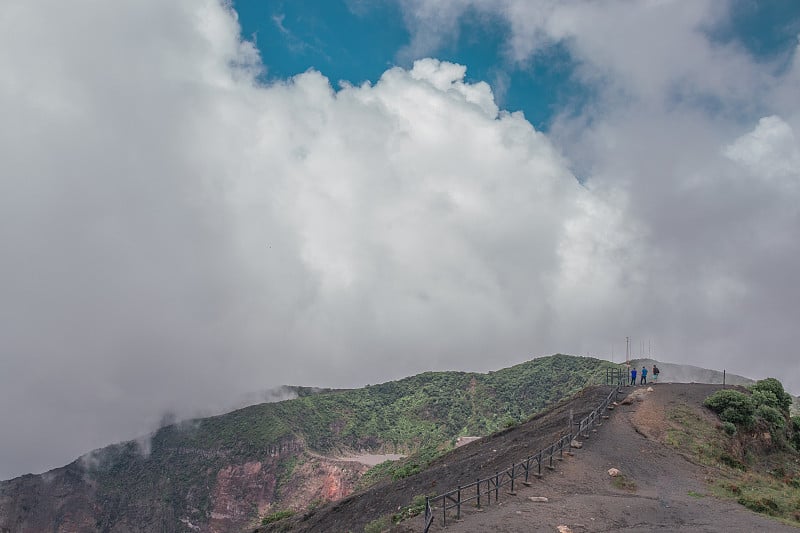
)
(201, 201)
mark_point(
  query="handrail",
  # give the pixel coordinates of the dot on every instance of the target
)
(454, 499)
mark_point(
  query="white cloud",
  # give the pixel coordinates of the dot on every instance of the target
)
(178, 235)
(770, 151)
(708, 202)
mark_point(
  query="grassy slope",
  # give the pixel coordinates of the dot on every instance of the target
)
(427, 410)
(763, 477)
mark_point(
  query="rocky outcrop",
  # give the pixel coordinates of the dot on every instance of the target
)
(61, 501)
(66, 500)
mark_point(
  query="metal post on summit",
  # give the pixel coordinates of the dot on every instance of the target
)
(627, 351)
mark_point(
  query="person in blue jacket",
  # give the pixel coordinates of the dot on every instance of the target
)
(633, 376)
(644, 376)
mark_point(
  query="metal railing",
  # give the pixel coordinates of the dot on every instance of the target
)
(531, 465)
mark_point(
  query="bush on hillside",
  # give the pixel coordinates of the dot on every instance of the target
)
(765, 409)
(276, 517)
(732, 406)
(780, 399)
(772, 416)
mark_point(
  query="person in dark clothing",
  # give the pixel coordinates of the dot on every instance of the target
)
(656, 372)
(644, 376)
(633, 376)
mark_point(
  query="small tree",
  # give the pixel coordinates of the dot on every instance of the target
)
(772, 416)
(770, 392)
(732, 406)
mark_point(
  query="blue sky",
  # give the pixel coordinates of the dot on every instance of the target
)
(359, 44)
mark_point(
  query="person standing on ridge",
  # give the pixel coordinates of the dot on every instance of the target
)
(644, 376)
(633, 376)
(656, 371)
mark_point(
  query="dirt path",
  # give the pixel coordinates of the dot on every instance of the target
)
(668, 488)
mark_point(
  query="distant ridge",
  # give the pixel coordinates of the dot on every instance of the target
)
(680, 373)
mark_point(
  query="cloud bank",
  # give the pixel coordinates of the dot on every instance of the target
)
(176, 235)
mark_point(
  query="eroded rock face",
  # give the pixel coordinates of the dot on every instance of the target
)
(67, 500)
(59, 501)
(320, 480)
(238, 491)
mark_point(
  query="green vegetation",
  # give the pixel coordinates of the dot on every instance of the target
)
(765, 408)
(692, 435)
(384, 523)
(419, 416)
(757, 449)
(276, 516)
(732, 406)
(623, 483)
(416, 508)
(763, 494)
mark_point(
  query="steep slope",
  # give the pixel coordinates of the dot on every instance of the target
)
(225, 472)
(480, 458)
(670, 451)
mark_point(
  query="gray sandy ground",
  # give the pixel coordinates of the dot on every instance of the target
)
(582, 497)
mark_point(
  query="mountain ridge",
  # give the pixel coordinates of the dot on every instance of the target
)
(230, 471)
(224, 472)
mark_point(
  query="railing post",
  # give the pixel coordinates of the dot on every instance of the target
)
(527, 468)
(584, 426)
(428, 514)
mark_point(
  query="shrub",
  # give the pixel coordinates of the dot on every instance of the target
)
(796, 432)
(772, 416)
(377, 526)
(732, 406)
(731, 461)
(416, 508)
(729, 428)
(408, 469)
(276, 516)
(508, 422)
(765, 397)
(760, 504)
(623, 483)
(782, 401)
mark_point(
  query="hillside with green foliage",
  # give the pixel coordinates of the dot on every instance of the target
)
(168, 481)
(756, 448)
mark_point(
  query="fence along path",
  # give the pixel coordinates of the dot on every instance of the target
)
(481, 490)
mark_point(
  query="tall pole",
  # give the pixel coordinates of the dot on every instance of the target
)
(627, 351)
